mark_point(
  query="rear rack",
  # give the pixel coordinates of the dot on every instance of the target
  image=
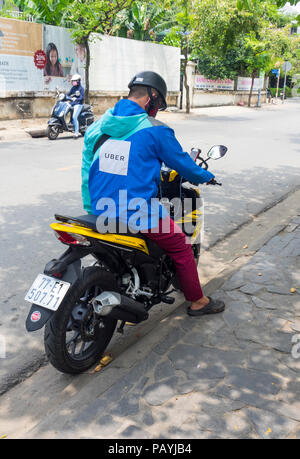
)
(65, 219)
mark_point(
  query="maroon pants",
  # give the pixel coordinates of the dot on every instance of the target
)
(169, 237)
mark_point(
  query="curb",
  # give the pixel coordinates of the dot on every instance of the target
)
(35, 133)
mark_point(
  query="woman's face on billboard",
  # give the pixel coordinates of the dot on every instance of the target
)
(53, 57)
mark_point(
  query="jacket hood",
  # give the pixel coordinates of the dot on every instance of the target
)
(122, 119)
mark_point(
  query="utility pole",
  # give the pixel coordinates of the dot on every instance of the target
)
(278, 76)
(286, 67)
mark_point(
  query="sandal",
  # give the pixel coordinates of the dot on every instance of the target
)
(213, 307)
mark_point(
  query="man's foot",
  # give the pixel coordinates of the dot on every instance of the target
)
(196, 305)
(206, 305)
(76, 135)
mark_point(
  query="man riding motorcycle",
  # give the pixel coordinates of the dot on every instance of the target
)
(126, 168)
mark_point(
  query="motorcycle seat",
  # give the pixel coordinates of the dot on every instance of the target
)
(90, 221)
(85, 107)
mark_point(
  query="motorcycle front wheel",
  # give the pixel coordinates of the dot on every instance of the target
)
(52, 132)
(73, 340)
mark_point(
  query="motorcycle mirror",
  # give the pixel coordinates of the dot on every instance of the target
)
(217, 151)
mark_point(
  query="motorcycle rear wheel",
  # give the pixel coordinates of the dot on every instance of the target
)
(52, 132)
(66, 337)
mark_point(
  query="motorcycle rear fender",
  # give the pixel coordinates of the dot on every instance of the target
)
(39, 316)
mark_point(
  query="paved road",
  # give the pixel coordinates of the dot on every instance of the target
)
(40, 178)
(233, 375)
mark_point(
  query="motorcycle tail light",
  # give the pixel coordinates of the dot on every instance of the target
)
(71, 238)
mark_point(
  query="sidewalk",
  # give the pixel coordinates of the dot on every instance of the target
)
(16, 130)
(232, 375)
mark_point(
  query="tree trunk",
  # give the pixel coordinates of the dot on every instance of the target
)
(251, 89)
(87, 70)
(186, 86)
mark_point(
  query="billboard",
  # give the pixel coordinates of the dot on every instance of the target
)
(19, 41)
(216, 85)
(37, 57)
(244, 84)
(64, 58)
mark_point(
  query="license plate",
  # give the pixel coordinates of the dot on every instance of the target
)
(47, 292)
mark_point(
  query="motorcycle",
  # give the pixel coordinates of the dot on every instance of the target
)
(58, 122)
(81, 306)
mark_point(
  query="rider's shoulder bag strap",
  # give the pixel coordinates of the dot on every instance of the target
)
(103, 138)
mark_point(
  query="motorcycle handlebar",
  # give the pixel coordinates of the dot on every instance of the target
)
(213, 182)
(203, 164)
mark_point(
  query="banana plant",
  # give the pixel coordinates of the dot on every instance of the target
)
(143, 21)
(47, 11)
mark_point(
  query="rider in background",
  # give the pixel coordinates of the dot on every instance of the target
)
(77, 95)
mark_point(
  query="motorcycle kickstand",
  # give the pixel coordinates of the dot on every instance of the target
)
(121, 328)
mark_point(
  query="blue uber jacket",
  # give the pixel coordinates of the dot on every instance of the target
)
(125, 170)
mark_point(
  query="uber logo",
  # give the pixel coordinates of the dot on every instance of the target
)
(114, 157)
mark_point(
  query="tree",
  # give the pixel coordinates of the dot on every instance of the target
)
(143, 20)
(180, 35)
(228, 41)
(86, 17)
(249, 4)
(45, 11)
(258, 59)
(253, 4)
(90, 17)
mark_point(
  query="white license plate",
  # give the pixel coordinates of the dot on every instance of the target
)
(47, 292)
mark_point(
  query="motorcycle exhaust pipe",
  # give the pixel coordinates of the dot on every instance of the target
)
(119, 307)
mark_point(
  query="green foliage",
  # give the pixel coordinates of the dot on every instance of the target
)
(143, 20)
(46, 11)
(93, 16)
(232, 64)
(230, 41)
(250, 4)
(180, 33)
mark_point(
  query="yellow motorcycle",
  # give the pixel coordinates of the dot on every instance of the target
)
(80, 306)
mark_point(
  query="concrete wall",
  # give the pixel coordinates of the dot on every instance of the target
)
(32, 105)
(202, 98)
(25, 91)
(209, 98)
(115, 60)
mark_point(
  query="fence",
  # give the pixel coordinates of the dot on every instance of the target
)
(205, 92)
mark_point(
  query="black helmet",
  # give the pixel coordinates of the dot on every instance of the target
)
(151, 80)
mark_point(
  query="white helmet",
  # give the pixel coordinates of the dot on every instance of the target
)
(76, 77)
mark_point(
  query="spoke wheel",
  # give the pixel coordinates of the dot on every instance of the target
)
(74, 338)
